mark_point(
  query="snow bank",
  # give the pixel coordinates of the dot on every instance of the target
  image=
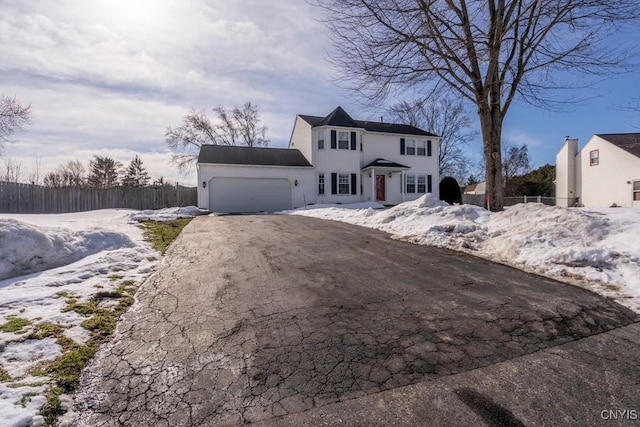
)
(77, 254)
(168, 214)
(595, 248)
(26, 248)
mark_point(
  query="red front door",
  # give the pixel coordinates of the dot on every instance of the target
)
(380, 188)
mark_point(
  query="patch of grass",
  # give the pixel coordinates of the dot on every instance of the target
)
(4, 376)
(114, 277)
(26, 398)
(63, 294)
(52, 409)
(161, 233)
(66, 369)
(15, 324)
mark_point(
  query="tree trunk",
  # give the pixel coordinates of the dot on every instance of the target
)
(491, 125)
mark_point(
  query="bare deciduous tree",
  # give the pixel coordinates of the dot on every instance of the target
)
(488, 52)
(515, 162)
(237, 126)
(446, 118)
(12, 171)
(13, 118)
(71, 174)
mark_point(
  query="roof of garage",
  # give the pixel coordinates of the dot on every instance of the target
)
(235, 155)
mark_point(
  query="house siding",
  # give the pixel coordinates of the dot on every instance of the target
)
(301, 137)
(611, 181)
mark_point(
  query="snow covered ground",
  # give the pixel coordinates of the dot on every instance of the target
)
(594, 248)
(45, 256)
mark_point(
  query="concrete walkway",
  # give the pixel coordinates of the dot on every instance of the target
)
(286, 320)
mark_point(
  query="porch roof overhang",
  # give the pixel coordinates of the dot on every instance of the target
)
(385, 165)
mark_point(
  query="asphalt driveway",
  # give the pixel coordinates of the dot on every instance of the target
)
(294, 320)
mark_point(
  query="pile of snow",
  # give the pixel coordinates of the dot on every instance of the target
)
(168, 214)
(27, 248)
(43, 256)
(595, 248)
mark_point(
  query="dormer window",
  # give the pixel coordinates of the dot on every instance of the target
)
(343, 140)
(321, 139)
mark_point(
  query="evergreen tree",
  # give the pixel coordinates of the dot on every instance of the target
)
(103, 172)
(136, 174)
(450, 190)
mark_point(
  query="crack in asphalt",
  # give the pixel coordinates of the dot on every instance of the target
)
(212, 341)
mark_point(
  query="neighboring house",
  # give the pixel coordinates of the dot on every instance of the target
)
(605, 172)
(332, 159)
(476, 189)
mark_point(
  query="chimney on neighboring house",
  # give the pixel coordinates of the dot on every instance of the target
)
(566, 173)
(381, 119)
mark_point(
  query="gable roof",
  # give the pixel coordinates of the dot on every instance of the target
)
(238, 155)
(340, 118)
(629, 142)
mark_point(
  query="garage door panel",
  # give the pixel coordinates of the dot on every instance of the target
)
(238, 195)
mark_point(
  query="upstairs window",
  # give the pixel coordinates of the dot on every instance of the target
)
(594, 157)
(411, 147)
(422, 151)
(321, 139)
(343, 140)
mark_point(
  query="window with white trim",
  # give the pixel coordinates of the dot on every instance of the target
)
(594, 157)
(411, 147)
(343, 140)
(411, 183)
(636, 191)
(415, 184)
(321, 183)
(344, 181)
(422, 183)
(421, 149)
(321, 139)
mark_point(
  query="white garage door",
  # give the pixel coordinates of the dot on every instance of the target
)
(237, 195)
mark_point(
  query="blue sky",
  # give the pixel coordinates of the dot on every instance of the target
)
(108, 76)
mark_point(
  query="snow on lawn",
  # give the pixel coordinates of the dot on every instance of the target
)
(595, 248)
(44, 259)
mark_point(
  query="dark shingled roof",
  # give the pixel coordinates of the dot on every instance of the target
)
(340, 118)
(382, 163)
(627, 141)
(236, 155)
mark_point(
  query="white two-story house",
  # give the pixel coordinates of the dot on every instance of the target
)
(332, 159)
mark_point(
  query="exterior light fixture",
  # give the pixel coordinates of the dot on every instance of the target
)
(295, 183)
(390, 173)
(204, 184)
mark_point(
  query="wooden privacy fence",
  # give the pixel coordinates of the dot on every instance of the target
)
(28, 198)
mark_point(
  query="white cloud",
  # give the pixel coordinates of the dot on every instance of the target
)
(108, 76)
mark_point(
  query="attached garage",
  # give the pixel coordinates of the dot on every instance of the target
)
(248, 179)
(228, 194)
